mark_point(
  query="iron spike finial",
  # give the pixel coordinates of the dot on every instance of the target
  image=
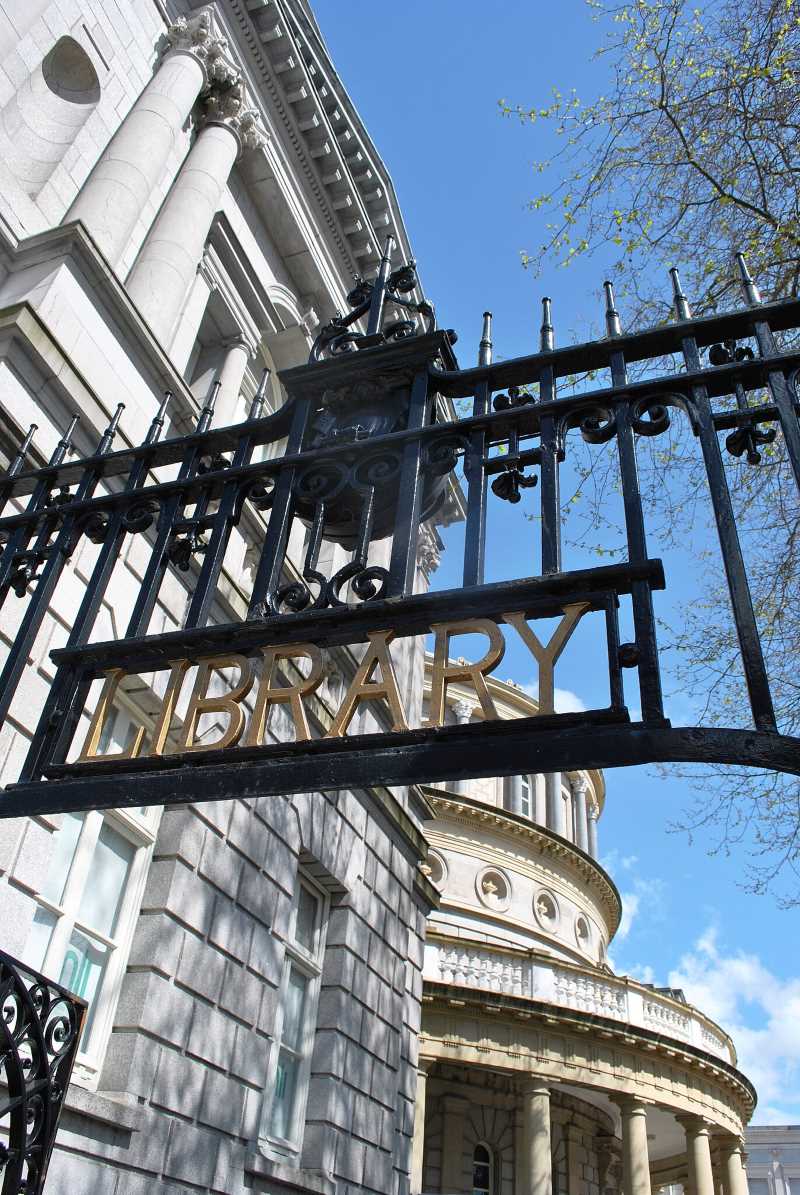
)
(154, 431)
(485, 345)
(613, 326)
(682, 309)
(107, 438)
(752, 295)
(547, 337)
(260, 397)
(65, 443)
(207, 413)
(18, 462)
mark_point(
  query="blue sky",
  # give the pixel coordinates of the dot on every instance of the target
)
(426, 78)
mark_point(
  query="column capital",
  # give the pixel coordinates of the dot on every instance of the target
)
(692, 1123)
(463, 711)
(240, 340)
(195, 35)
(729, 1142)
(228, 107)
(579, 784)
(631, 1105)
(533, 1086)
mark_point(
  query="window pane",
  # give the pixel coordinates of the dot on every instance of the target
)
(296, 988)
(307, 905)
(284, 1096)
(65, 840)
(82, 971)
(39, 938)
(102, 896)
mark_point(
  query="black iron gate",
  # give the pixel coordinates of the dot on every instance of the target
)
(363, 451)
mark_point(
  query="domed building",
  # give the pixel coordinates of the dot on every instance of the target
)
(542, 1071)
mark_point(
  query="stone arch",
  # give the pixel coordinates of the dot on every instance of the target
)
(42, 119)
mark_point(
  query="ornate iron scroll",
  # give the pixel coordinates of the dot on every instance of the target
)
(40, 1028)
(369, 445)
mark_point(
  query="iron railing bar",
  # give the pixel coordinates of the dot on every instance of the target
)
(409, 498)
(475, 472)
(779, 389)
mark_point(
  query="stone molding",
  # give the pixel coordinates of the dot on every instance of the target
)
(522, 1037)
(469, 812)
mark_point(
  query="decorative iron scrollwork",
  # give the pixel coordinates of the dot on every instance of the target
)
(507, 484)
(40, 1026)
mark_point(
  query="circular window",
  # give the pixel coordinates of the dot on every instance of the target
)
(545, 908)
(493, 888)
(435, 868)
(583, 934)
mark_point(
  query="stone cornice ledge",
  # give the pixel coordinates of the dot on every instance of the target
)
(289, 1178)
(545, 840)
(449, 996)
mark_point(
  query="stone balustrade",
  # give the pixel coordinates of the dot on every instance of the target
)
(581, 988)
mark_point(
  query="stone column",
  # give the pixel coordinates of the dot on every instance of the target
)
(635, 1158)
(122, 181)
(698, 1154)
(165, 269)
(580, 787)
(238, 351)
(540, 806)
(592, 813)
(463, 712)
(555, 804)
(734, 1174)
(537, 1160)
(418, 1144)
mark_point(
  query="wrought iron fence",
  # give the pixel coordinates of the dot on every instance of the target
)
(364, 450)
(40, 1028)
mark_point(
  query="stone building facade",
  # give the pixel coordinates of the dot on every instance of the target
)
(773, 1159)
(540, 1069)
(374, 991)
(187, 191)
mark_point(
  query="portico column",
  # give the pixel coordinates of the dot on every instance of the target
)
(462, 711)
(698, 1154)
(418, 1143)
(635, 1157)
(454, 1111)
(238, 352)
(122, 181)
(537, 1164)
(580, 787)
(734, 1174)
(555, 804)
(166, 267)
(592, 823)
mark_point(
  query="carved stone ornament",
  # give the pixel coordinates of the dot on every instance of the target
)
(429, 553)
(226, 105)
(196, 36)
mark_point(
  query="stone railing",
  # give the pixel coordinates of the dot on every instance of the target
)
(582, 989)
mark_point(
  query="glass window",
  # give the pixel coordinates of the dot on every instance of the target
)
(482, 1171)
(525, 796)
(284, 1099)
(87, 907)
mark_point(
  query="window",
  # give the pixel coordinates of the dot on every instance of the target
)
(287, 1083)
(482, 1170)
(87, 909)
(525, 796)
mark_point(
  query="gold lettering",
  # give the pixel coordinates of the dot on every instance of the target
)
(446, 670)
(227, 703)
(547, 654)
(178, 670)
(292, 695)
(362, 688)
(104, 706)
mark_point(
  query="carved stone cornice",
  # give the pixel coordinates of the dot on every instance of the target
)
(543, 842)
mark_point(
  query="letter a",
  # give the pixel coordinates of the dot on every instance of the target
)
(364, 689)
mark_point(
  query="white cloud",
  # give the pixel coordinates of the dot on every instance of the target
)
(630, 907)
(759, 1010)
(565, 701)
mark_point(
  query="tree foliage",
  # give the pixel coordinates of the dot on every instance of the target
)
(690, 157)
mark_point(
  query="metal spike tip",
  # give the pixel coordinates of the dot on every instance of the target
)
(387, 247)
(752, 295)
(154, 431)
(107, 437)
(547, 339)
(260, 396)
(65, 443)
(19, 459)
(485, 345)
(207, 413)
(613, 326)
(682, 309)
